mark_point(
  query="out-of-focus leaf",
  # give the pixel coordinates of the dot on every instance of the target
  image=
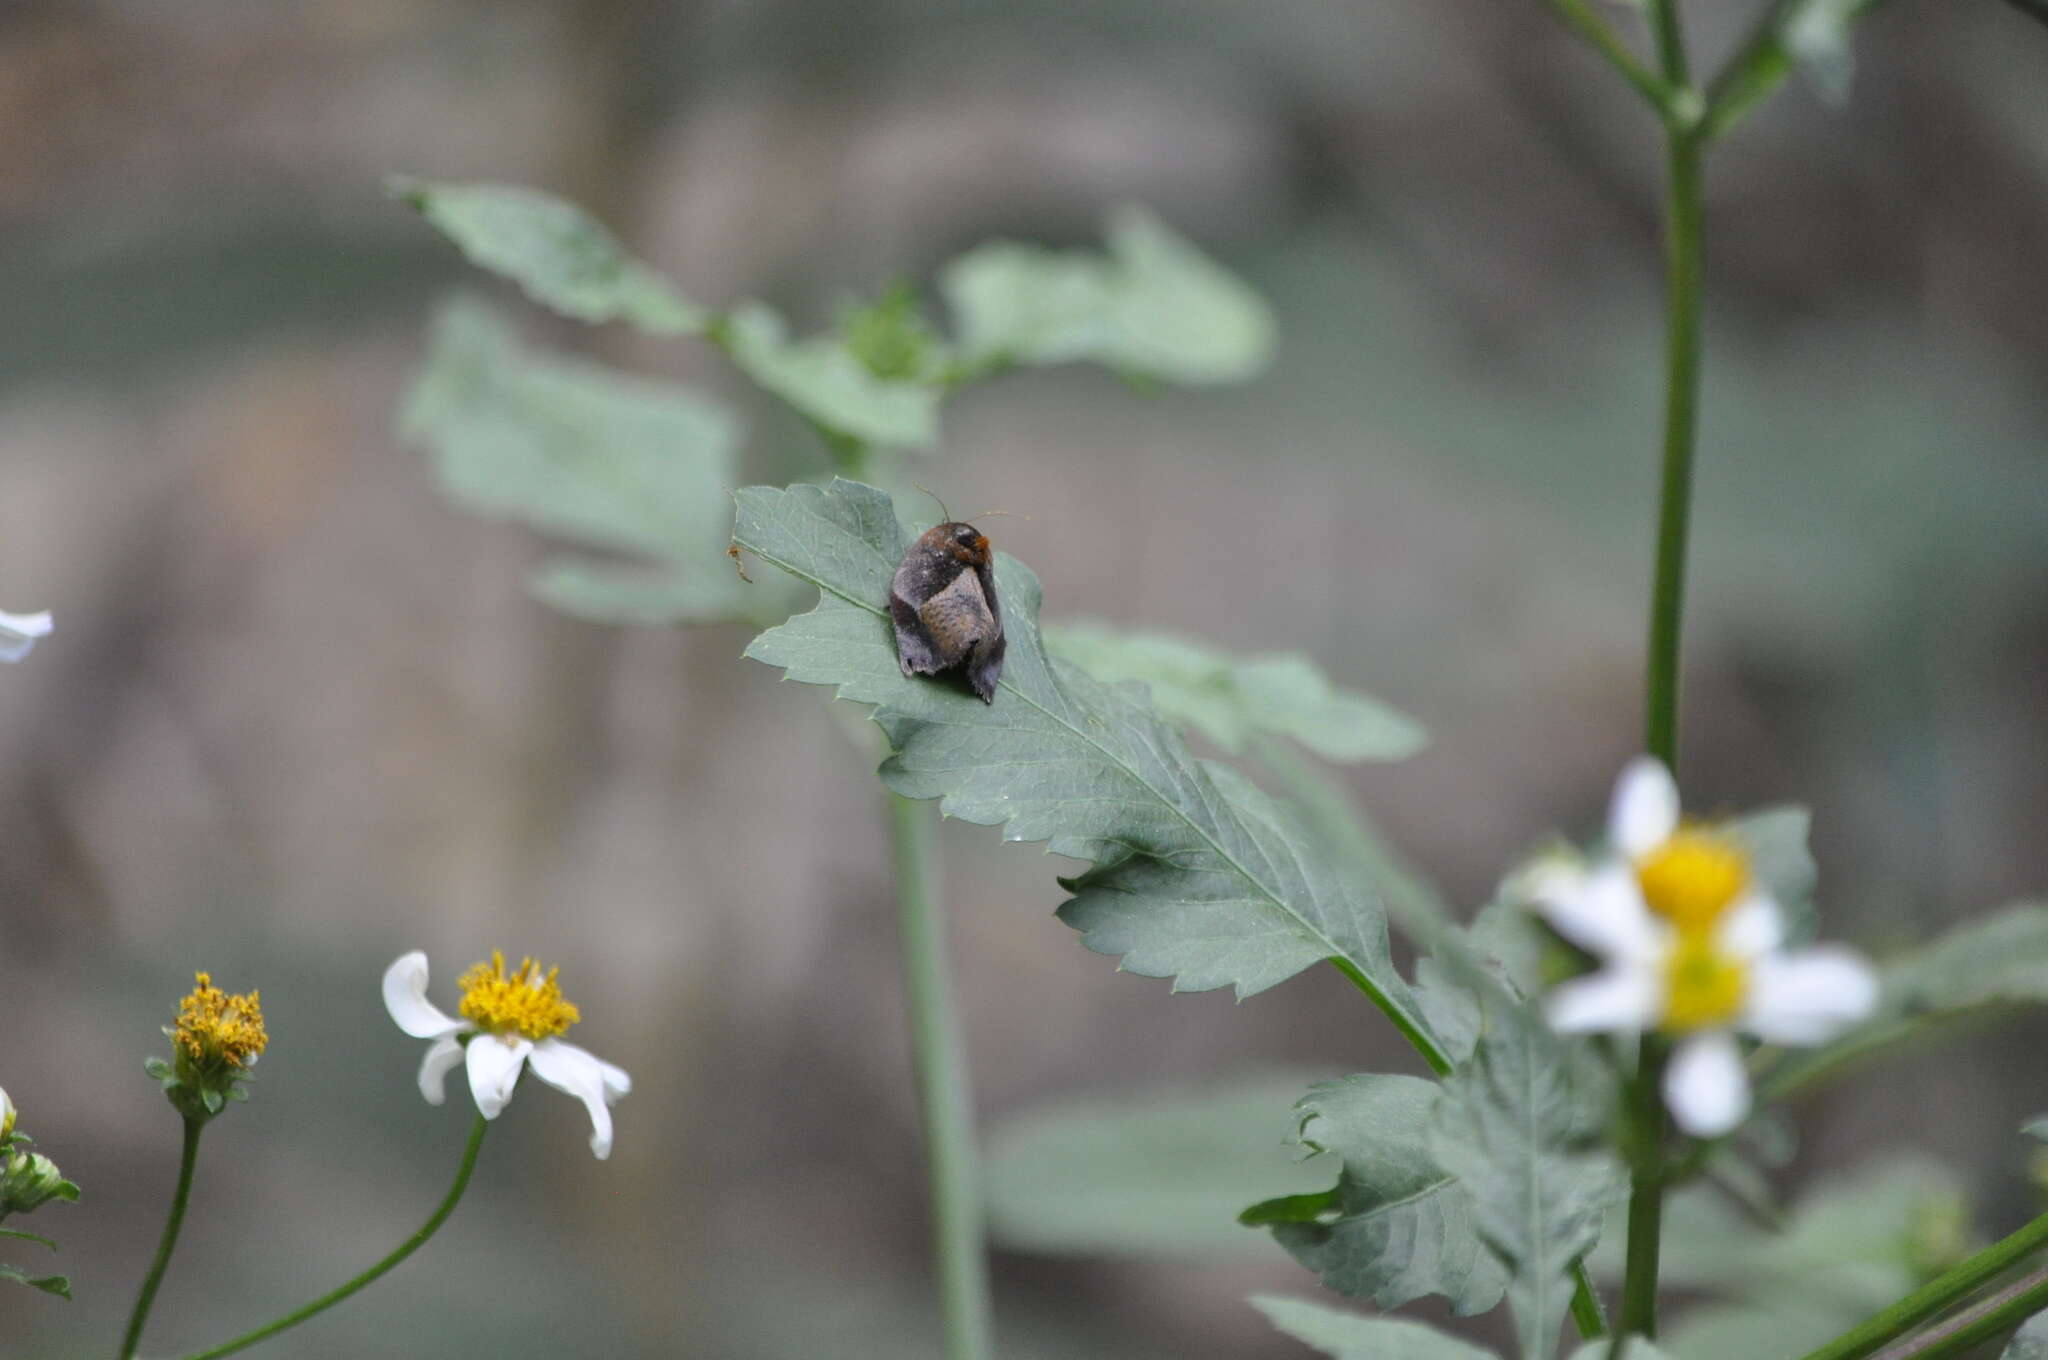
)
(1853, 1244)
(1402, 1225)
(619, 464)
(1350, 1336)
(1155, 305)
(1228, 699)
(2001, 959)
(557, 253)
(1198, 876)
(2030, 1342)
(1518, 1125)
(1638, 1349)
(1154, 1175)
(828, 384)
(49, 1284)
(1776, 841)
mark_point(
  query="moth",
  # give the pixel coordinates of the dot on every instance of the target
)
(943, 602)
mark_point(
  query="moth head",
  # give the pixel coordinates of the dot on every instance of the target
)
(960, 540)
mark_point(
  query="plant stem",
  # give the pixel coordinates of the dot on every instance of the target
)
(1936, 1295)
(937, 1051)
(188, 1158)
(1583, 19)
(404, 1249)
(1646, 1194)
(2002, 1311)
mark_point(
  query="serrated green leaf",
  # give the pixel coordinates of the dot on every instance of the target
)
(1349, 1336)
(558, 254)
(2030, 1342)
(1155, 305)
(827, 384)
(1229, 700)
(1517, 1125)
(619, 464)
(1198, 876)
(1403, 1225)
(49, 1284)
(1156, 1175)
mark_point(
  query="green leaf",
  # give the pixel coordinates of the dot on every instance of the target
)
(2001, 959)
(1349, 1336)
(29, 1236)
(561, 256)
(2030, 1342)
(1402, 1225)
(1517, 1125)
(618, 464)
(1154, 1175)
(1775, 839)
(49, 1284)
(1199, 876)
(828, 384)
(1228, 700)
(1154, 306)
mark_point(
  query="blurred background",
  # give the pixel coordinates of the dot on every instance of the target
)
(300, 716)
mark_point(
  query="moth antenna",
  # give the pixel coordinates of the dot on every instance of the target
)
(947, 514)
(1013, 514)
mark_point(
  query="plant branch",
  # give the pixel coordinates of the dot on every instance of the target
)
(362, 1281)
(936, 1050)
(2003, 1311)
(1936, 1296)
(188, 1159)
(1583, 19)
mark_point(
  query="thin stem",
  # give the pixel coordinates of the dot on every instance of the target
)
(1669, 34)
(1683, 268)
(937, 1051)
(1586, 21)
(1936, 1296)
(188, 1158)
(2001, 1312)
(1646, 1195)
(404, 1249)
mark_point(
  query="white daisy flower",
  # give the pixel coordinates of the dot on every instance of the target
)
(510, 1021)
(1692, 945)
(18, 633)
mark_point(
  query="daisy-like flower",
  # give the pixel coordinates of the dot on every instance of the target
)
(510, 1021)
(1691, 944)
(18, 633)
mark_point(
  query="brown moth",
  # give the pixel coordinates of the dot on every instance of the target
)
(943, 601)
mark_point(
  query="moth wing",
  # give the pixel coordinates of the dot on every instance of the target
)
(985, 666)
(913, 644)
(956, 618)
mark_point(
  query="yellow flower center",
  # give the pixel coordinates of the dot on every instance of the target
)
(215, 1027)
(526, 1001)
(1703, 987)
(1692, 879)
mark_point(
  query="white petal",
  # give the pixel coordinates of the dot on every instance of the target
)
(1808, 996)
(1705, 1086)
(18, 633)
(1644, 812)
(405, 996)
(1602, 911)
(1752, 928)
(494, 1070)
(583, 1075)
(1624, 997)
(442, 1055)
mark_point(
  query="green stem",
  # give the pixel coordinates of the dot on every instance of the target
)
(404, 1249)
(188, 1158)
(937, 1051)
(1583, 19)
(1936, 1296)
(1646, 1194)
(2001, 1312)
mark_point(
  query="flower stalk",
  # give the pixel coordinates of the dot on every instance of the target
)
(477, 1129)
(138, 1317)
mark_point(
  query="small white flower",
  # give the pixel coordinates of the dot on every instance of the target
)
(1690, 944)
(511, 1021)
(18, 633)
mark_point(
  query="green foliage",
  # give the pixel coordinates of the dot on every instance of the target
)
(49, 1284)
(1198, 875)
(1999, 959)
(1348, 1336)
(1155, 306)
(826, 382)
(1518, 1126)
(1399, 1225)
(1229, 700)
(617, 464)
(561, 256)
(1853, 1245)
(1154, 1175)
